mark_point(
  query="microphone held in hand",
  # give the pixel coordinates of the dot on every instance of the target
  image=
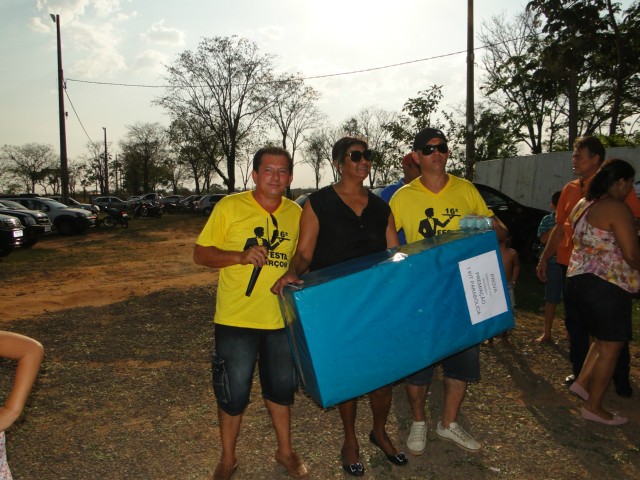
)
(252, 280)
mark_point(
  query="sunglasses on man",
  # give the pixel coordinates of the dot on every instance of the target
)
(429, 149)
(357, 155)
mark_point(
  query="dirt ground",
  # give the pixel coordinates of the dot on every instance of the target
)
(124, 392)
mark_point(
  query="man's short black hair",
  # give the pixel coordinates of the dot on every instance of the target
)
(257, 158)
(592, 144)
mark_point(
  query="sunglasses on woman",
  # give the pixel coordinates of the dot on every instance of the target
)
(429, 149)
(357, 155)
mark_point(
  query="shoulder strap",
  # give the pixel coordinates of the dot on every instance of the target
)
(585, 209)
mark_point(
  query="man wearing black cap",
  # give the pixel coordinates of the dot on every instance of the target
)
(447, 198)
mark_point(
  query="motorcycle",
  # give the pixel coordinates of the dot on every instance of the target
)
(116, 217)
(147, 209)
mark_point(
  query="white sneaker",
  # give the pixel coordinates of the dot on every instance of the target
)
(459, 436)
(417, 441)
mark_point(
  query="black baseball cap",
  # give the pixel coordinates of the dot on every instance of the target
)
(426, 134)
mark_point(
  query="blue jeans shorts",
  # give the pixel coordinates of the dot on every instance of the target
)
(233, 364)
(555, 283)
(463, 366)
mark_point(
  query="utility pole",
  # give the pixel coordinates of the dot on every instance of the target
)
(106, 164)
(470, 123)
(64, 170)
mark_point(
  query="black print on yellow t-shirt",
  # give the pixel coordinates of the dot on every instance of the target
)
(274, 259)
(429, 226)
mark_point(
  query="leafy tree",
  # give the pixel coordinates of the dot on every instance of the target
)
(521, 90)
(29, 163)
(370, 123)
(143, 151)
(423, 111)
(197, 148)
(591, 48)
(295, 112)
(316, 152)
(228, 85)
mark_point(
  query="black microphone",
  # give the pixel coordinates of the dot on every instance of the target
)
(252, 280)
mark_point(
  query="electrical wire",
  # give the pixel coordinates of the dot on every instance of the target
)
(314, 77)
(77, 116)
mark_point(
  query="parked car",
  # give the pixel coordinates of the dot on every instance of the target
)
(522, 221)
(132, 200)
(302, 199)
(171, 203)
(11, 234)
(105, 203)
(35, 223)
(66, 220)
(189, 203)
(76, 204)
(205, 204)
(151, 197)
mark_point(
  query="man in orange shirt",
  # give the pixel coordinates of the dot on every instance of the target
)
(588, 155)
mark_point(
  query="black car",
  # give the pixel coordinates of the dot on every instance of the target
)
(76, 204)
(105, 203)
(11, 234)
(35, 223)
(67, 220)
(522, 221)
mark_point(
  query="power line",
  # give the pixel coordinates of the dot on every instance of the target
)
(77, 116)
(314, 77)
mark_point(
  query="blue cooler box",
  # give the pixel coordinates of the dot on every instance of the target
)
(362, 324)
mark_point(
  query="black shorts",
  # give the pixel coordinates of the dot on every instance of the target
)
(604, 307)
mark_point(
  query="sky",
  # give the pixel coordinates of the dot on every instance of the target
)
(130, 42)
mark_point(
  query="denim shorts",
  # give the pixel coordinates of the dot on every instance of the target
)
(463, 366)
(555, 283)
(233, 364)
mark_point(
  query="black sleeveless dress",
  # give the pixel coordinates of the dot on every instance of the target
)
(343, 235)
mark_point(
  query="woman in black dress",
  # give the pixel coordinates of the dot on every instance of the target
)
(340, 222)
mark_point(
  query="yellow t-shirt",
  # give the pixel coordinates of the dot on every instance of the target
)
(423, 214)
(238, 222)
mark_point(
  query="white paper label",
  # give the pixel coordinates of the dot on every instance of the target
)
(483, 286)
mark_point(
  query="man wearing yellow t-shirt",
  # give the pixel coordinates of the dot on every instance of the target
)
(431, 205)
(251, 237)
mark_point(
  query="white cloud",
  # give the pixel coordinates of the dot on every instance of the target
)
(69, 10)
(271, 33)
(160, 35)
(150, 60)
(98, 45)
(38, 25)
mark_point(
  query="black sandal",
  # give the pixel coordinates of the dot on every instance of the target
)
(354, 469)
(399, 459)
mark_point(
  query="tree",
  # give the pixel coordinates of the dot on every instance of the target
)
(95, 164)
(197, 148)
(295, 112)
(517, 84)
(370, 123)
(316, 153)
(228, 85)
(29, 163)
(143, 151)
(591, 49)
